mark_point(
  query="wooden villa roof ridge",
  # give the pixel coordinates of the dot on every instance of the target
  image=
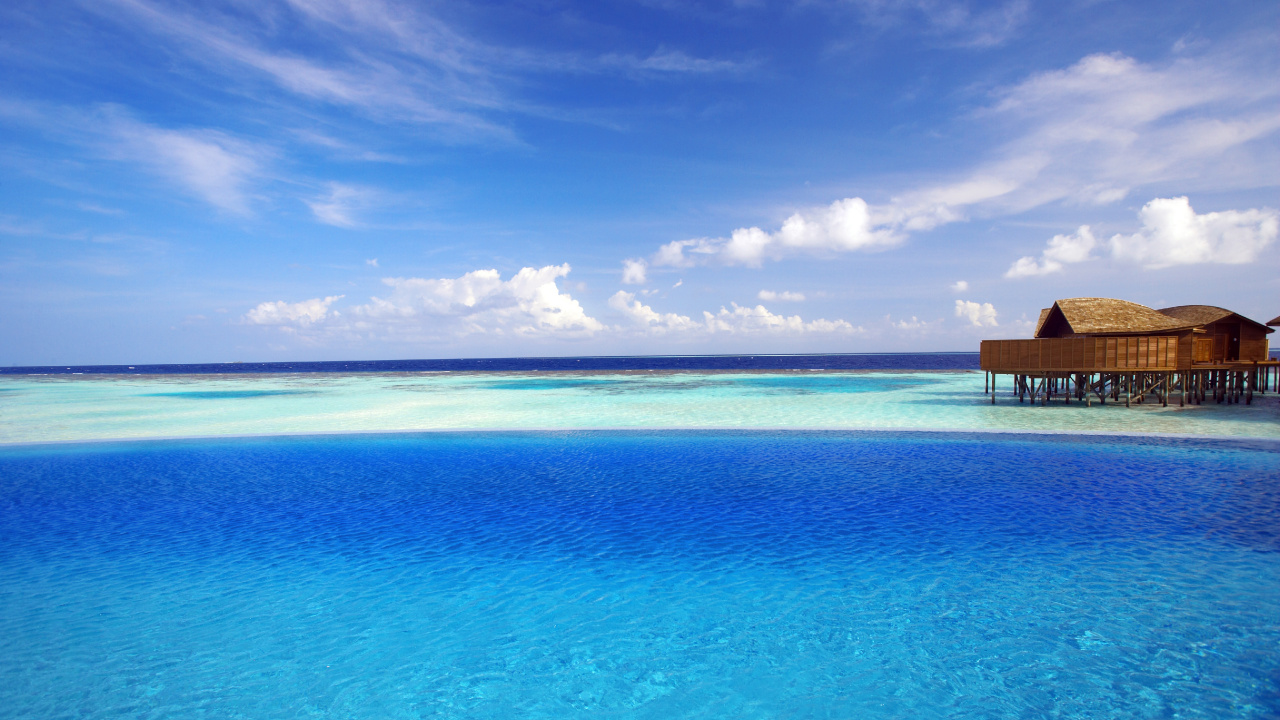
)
(1275, 321)
(1206, 314)
(1044, 315)
(1103, 316)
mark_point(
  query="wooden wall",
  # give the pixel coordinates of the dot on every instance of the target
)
(1212, 346)
(1253, 343)
(1090, 354)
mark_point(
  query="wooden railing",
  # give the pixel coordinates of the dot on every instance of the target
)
(1094, 354)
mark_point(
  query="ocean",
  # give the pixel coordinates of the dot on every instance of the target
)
(666, 542)
(865, 361)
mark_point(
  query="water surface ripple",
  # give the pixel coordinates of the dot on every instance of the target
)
(641, 574)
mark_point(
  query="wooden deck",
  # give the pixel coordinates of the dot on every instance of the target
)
(1121, 368)
(1152, 353)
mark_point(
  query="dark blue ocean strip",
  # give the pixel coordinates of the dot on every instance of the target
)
(873, 361)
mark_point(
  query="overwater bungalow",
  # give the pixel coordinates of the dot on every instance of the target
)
(1103, 348)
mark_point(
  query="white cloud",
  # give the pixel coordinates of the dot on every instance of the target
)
(645, 317)
(633, 271)
(1087, 134)
(397, 61)
(960, 286)
(844, 226)
(914, 324)
(1091, 132)
(371, 262)
(386, 61)
(209, 164)
(739, 320)
(529, 303)
(785, 296)
(300, 314)
(759, 320)
(978, 314)
(674, 62)
(1061, 250)
(1174, 234)
(337, 207)
(951, 22)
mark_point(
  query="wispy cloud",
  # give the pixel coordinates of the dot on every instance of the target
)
(389, 61)
(784, 296)
(338, 205)
(209, 164)
(1087, 134)
(951, 22)
(667, 61)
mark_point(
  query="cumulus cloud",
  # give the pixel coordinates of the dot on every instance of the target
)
(371, 262)
(299, 314)
(844, 226)
(978, 314)
(960, 286)
(785, 295)
(758, 319)
(529, 303)
(1061, 250)
(633, 271)
(645, 317)
(738, 320)
(913, 324)
(1172, 233)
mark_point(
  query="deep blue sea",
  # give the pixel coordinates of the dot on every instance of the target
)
(657, 574)
(874, 361)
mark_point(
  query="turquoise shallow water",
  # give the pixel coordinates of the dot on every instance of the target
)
(657, 574)
(629, 573)
(51, 408)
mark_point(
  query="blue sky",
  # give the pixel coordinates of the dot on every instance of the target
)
(332, 179)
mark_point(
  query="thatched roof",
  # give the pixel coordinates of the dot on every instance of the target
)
(1107, 316)
(1044, 315)
(1275, 321)
(1205, 314)
(1198, 314)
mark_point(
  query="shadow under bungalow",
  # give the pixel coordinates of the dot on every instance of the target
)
(1105, 349)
